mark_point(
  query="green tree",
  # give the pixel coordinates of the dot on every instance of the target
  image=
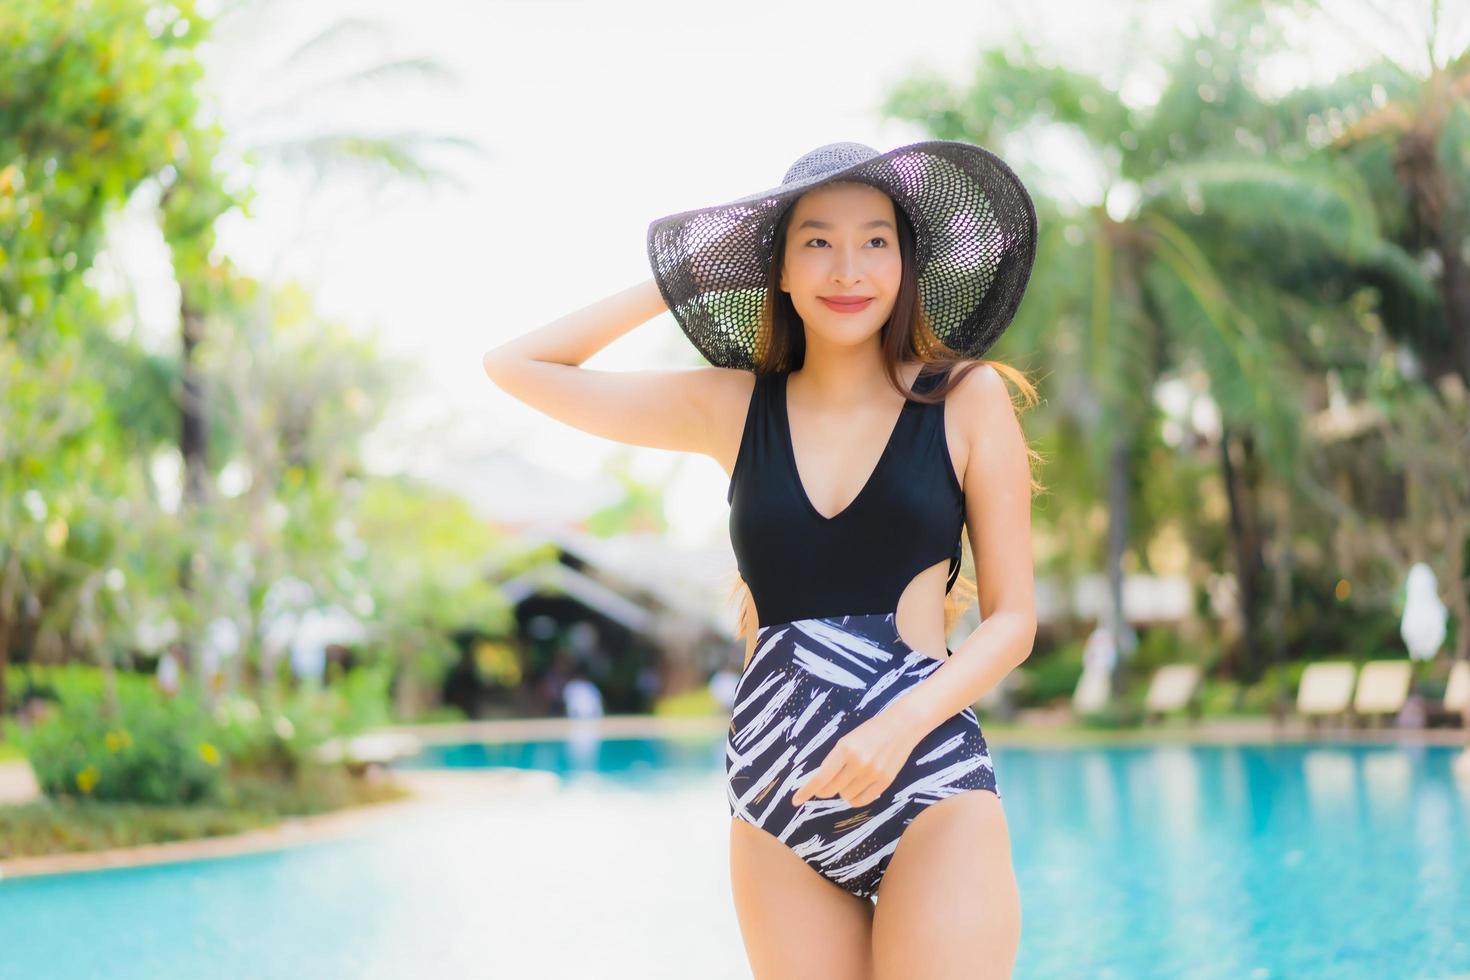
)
(95, 101)
(195, 196)
(1163, 273)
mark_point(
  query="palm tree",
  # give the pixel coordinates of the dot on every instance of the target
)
(1416, 106)
(271, 79)
(1163, 271)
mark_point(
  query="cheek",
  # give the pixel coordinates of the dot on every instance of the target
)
(889, 271)
(802, 272)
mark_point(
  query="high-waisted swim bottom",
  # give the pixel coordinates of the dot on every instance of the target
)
(809, 682)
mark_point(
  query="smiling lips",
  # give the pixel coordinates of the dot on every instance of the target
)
(846, 304)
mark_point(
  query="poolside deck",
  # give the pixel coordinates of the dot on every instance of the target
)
(430, 787)
(1038, 727)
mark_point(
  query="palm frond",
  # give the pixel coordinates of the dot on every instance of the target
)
(1319, 203)
(1249, 374)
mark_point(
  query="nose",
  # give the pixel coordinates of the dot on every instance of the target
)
(846, 268)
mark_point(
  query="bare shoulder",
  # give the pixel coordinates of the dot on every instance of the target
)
(981, 400)
(984, 417)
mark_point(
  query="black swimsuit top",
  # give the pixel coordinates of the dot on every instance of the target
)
(799, 564)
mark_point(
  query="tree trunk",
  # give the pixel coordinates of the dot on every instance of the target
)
(193, 447)
(9, 582)
(1455, 289)
(1454, 585)
(1282, 561)
(1434, 201)
(4, 664)
(1245, 545)
(1118, 537)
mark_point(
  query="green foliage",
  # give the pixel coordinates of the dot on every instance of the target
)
(49, 827)
(140, 746)
(149, 748)
(438, 714)
(1122, 712)
(1219, 697)
(98, 97)
(52, 826)
(1050, 675)
(1258, 698)
(426, 559)
(1155, 280)
(1160, 645)
(696, 702)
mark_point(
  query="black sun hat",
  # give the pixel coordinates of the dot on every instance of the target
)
(974, 244)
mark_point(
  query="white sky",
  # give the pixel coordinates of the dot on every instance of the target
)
(597, 118)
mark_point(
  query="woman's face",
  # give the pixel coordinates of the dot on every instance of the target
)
(842, 240)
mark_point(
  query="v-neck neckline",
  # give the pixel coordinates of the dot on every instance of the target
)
(872, 475)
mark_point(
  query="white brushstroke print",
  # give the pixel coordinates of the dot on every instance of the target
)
(826, 669)
(888, 679)
(846, 643)
(748, 699)
(766, 714)
(823, 678)
(807, 714)
(739, 760)
(768, 642)
(826, 732)
(943, 748)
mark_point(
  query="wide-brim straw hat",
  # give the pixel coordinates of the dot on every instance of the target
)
(974, 235)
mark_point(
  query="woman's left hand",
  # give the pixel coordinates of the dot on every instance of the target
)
(864, 761)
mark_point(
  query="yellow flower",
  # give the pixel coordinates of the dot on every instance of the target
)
(113, 740)
(87, 778)
(209, 753)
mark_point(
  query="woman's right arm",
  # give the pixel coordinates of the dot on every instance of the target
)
(688, 410)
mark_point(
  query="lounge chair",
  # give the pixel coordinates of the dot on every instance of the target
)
(1326, 689)
(1457, 691)
(1093, 692)
(1383, 687)
(1172, 688)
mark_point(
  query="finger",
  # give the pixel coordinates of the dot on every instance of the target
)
(856, 788)
(817, 785)
(822, 782)
(870, 792)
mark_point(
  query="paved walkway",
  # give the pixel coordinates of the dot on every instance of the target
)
(428, 788)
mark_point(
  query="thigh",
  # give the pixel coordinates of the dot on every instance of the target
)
(949, 905)
(794, 922)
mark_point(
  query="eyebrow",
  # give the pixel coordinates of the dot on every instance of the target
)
(876, 223)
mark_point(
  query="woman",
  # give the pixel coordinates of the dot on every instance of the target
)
(844, 313)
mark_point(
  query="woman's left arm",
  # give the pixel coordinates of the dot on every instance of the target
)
(997, 487)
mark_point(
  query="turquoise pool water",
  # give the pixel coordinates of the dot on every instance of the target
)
(1298, 860)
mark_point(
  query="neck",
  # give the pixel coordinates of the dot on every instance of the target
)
(844, 376)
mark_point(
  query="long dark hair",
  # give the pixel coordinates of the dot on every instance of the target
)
(908, 335)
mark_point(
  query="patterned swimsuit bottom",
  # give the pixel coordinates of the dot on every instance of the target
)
(809, 682)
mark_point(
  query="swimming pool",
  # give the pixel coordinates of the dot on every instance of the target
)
(1287, 860)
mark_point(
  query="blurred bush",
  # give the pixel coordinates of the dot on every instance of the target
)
(1049, 675)
(140, 747)
(143, 746)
